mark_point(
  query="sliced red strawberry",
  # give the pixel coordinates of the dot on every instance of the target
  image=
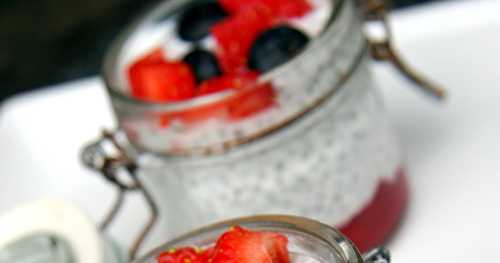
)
(206, 254)
(244, 246)
(280, 8)
(249, 99)
(215, 85)
(155, 80)
(236, 34)
(252, 101)
(228, 81)
(185, 255)
(292, 9)
(216, 110)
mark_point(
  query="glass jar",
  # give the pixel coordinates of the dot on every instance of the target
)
(309, 241)
(325, 150)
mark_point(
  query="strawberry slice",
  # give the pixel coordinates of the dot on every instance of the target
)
(250, 98)
(251, 101)
(154, 79)
(244, 246)
(236, 34)
(228, 81)
(217, 110)
(206, 254)
(280, 8)
(185, 255)
(292, 9)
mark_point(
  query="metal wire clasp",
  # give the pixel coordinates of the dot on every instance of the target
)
(107, 157)
(377, 255)
(382, 48)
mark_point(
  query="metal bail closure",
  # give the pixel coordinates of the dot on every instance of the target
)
(107, 157)
(382, 49)
(377, 255)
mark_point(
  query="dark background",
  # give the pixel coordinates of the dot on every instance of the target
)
(49, 41)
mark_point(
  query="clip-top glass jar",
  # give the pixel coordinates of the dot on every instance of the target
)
(309, 240)
(323, 150)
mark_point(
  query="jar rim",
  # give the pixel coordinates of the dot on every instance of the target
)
(111, 59)
(343, 247)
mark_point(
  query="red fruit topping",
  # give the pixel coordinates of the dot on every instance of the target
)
(244, 246)
(236, 34)
(154, 79)
(238, 245)
(206, 255)
(280, 8)
(292, 9)
(217, 110)
(250, 98)
(185, 255)
(250, 101)
(228, 81)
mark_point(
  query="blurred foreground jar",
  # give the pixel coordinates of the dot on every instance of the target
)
(325, 151)
(309, 240)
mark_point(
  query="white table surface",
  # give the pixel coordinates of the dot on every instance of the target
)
(453, 150)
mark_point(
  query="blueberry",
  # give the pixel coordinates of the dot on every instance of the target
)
(197, 19)
(203, 63)
(275, 47)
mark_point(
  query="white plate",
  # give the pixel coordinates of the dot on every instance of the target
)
(453, 149)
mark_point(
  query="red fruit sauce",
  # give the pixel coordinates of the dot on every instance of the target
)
(376, 222)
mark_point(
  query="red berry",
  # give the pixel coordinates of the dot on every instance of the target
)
(280, 8)
(244, 246)
(235, 107)
(250, 97)
(252, 100)
(206, 255)
(154, 79)
(185, 255)
(292, 9)
(216, 110)
(236, 34)
(228, 81)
